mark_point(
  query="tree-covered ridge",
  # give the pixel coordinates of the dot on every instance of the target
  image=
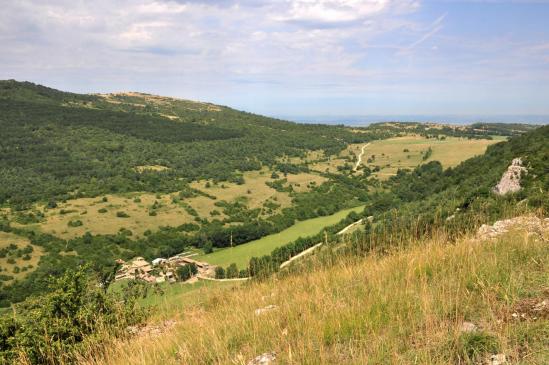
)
(56, 145)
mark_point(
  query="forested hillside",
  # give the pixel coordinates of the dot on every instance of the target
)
(57, 145)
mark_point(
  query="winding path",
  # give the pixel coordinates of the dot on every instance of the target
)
(359, 161)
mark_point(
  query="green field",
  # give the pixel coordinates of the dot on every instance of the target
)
(242, 254)
(407, 152)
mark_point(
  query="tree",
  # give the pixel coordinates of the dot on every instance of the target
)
(219, 273)
(208, 248)
(232, 271)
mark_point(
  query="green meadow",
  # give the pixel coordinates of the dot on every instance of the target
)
(242, 254)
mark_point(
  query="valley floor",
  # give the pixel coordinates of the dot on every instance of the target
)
(432, 303)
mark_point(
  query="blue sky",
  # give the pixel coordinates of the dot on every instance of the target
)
(291, 57)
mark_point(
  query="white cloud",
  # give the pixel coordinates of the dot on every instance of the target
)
(204, 48)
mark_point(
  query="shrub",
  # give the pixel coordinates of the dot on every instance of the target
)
(122, 215)
(76, 316)
(208, 248)
(75, 223)
(102, 210)
(472, 347)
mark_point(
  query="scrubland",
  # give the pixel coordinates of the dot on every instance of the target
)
(404, 306)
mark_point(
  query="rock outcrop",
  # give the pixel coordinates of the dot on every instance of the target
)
(531, 224)
(510, 181)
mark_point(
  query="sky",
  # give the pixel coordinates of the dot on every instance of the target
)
(294, 58)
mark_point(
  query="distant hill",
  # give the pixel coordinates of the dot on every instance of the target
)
(56, 144)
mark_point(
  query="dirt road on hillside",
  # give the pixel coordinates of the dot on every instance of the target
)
(359, 161)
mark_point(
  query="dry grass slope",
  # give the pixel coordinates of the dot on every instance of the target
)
(25, 264)
(403, 308)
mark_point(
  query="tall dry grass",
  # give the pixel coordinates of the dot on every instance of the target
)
(404, 307)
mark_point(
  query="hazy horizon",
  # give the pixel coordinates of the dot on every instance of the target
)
(364, 120)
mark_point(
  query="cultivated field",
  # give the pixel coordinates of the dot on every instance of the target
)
(16, 263)
(242, 254)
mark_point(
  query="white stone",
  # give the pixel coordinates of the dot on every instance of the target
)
(263, 359)
(510, 181)
(498, 359)
(268, 308)
(468, 327)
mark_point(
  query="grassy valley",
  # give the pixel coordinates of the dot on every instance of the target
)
(89, 183)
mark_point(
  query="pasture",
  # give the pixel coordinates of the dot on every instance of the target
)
(111, 213)
(16, 261)
(408, 152)
(101, 217)
(242, 254)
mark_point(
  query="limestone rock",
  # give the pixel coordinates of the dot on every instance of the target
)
(531, 224)
(268, 308)
(263, 359)
(498, 359)
(468, 327)
(510, 181)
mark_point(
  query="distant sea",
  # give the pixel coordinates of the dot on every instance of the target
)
(448, 119)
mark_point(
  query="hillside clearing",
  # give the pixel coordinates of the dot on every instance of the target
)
(16, 263)
(408, 152)
(100, 217)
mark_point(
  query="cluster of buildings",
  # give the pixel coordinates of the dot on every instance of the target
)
(159, 270)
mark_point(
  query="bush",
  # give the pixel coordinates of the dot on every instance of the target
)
(208, 248)
(185, 272)
(473, 347)
(51, 204)
(75, 223)
(102, 210)
(122, 215)
(76, 316)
